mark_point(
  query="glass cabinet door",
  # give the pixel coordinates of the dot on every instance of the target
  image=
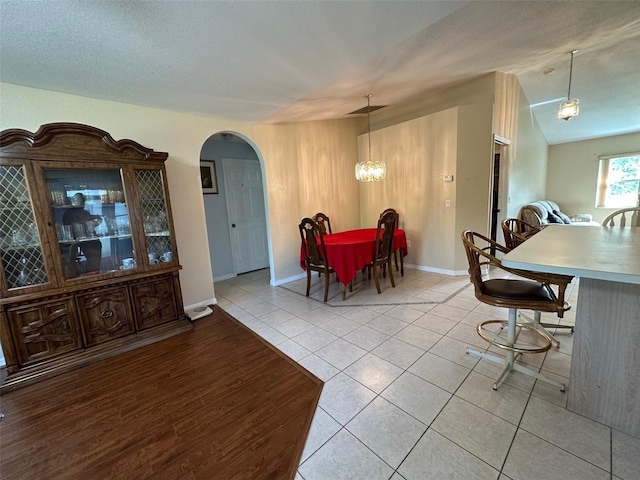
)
(154, 216)
(20, 245)
(91, 216)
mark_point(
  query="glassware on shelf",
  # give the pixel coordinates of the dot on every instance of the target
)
(122, 225)
(91, 227)
(152, 224)
(19, 238)
(112, 227)
(64, 233)
(112, 196)
(162, 221)
(32, 234)
(102, 228)
(58, 197)
(79, 230)
(23, 279)
(128, 263)
(22, 197)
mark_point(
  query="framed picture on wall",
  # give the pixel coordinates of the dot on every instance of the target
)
(208, 176)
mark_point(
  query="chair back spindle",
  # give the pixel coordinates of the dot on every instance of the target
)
(516, 231)
(323, 222)
(619, 218)
(385, 231)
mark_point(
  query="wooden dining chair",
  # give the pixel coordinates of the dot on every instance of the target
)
(396, 253)
(323, 222)
(619, 218)
(516, 231)
(315, 258)
(529, 291)
(383, 248)
(325, 225)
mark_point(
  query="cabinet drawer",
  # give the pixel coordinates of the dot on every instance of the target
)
(105, 314)
(154, 302)
(44, 330)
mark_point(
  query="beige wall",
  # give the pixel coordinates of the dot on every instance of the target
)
(418, 154)
(309, 168)
(452, 132)
(473, 179)
(524, 161)
(480, 90)
(301, 161)
(573, 172)
(421, 141)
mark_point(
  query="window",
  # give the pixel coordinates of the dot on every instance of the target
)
(619, 181)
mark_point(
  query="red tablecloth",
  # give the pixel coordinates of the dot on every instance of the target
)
(348, 252)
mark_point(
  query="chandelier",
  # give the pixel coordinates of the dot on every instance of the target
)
(370, 171)
(571, 107)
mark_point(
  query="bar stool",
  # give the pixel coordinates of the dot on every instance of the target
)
(516, 232)
(532, 291)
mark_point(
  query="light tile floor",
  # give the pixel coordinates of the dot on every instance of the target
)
(403, 401)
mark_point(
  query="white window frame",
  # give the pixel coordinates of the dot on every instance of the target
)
(603, 181)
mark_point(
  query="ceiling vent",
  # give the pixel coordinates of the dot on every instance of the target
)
(367, 109)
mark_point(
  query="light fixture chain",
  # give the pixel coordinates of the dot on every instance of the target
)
(369, 121)
(570, 75)
(569, 108)
(370, 171)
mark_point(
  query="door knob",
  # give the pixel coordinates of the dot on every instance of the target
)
(233, 225)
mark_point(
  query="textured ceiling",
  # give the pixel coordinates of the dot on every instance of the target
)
(279, 61)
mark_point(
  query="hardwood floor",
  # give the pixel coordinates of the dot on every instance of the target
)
(214, 403)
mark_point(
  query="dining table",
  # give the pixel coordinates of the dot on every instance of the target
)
(350, 251)
(604, 383)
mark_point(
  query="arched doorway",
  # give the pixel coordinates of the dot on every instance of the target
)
(236, 209)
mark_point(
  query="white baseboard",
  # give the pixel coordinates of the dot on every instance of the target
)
(441, 271)
(224, 277)
(422, 268)
(282, 281)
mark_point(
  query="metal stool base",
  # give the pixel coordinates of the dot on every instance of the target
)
(542, 327)
(514, 350)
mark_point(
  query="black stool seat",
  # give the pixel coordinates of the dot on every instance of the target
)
(510, 289)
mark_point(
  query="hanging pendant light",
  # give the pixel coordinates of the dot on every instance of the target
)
(370, 171)
(571, 107)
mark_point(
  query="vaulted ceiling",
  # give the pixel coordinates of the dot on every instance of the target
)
(281, 61)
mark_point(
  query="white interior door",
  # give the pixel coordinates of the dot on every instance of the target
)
(247, 222)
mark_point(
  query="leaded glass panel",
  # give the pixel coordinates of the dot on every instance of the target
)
(154, 215)
(20, 245)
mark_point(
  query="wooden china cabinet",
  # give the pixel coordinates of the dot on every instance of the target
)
(89, 262)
